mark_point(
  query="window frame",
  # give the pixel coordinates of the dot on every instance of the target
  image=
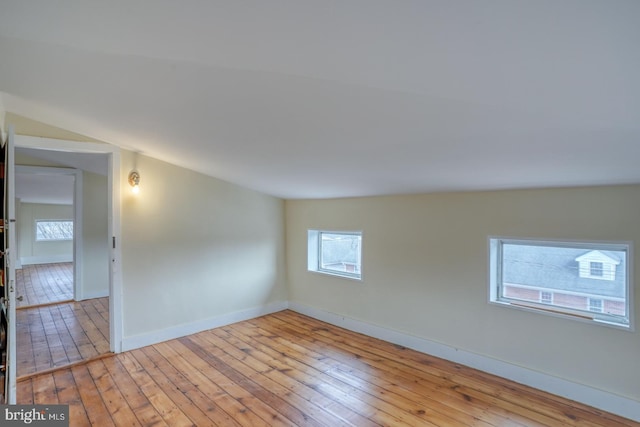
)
(496, 285)
(35, 230)
(314, 253)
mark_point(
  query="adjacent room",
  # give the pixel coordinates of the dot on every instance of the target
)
(322, 213)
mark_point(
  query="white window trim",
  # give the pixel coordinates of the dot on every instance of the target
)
(494, 254)
(313, 254)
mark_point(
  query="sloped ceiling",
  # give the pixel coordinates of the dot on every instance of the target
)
(337, 98)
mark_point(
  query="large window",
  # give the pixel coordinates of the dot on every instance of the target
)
(54, 230)
(579, 280)
(335, 252)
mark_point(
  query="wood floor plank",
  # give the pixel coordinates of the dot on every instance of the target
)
(365, 393)
(339, 401)
(59, 335)
(415, 384)
(276, 373)
(68, 393)
(272, 394)
(133, 395)
(54, 334)
(183, 371)
(496, 395)
(91, 397)
(115, 403)
(286, 369)
(365, 357)
(216, 385)
(192, 411)
(428, 410)
(44, 283)
(24, 392)
(158, 397)
(44, 390)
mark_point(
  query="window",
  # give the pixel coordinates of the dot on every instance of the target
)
(53, 230)
(546, 297)
(595, 305)
(596, 269)
(578, 280)
(335, 252)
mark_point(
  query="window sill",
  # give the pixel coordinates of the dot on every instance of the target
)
(336, 274)
(551, 311)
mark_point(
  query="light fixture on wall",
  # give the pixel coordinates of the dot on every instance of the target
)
(134, 181)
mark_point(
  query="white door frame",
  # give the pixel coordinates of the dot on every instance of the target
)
(114, 231)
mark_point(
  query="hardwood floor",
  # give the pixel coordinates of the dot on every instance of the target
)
(286, 369)
(44, 284)
(52, 330)
(60, 334)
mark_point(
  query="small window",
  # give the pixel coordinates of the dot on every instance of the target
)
(596, 269)
(53, 230)
(335, 252)
(558, 278)
(595, 305)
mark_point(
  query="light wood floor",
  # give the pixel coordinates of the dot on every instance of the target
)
(286, 369)
(44, 284)
(60, 334)
(53, 331)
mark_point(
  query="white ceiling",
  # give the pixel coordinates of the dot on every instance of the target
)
(50, 189)
(42, 186)
(335, 98)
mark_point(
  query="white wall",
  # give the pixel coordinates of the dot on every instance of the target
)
(95, 236)
(32, 252)
(196, 251)
(425, 275)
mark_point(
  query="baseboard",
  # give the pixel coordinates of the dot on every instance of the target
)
(137, 341)
(605, 401)
(95, 294)
(46, 259)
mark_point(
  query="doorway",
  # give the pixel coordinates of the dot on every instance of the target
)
(91, 271)
(48, 269)
(62, 313)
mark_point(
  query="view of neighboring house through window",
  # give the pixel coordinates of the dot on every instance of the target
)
(595, 305)
(335, 252)
(54, 230)
(546, 297)
(573, 279)
(597, 268)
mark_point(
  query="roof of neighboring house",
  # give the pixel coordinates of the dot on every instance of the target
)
(557, 268)
(339, 250)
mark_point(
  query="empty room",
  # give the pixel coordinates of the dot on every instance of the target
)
(356, 213)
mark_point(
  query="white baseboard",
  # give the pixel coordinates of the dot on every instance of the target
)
(46, 259)
(137, 341)
(95, 294)
(605, 401)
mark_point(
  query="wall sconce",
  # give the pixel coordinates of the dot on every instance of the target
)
(134, 181)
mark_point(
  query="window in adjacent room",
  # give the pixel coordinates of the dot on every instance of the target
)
(335, 252)
(580, 280)
(53, 230)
